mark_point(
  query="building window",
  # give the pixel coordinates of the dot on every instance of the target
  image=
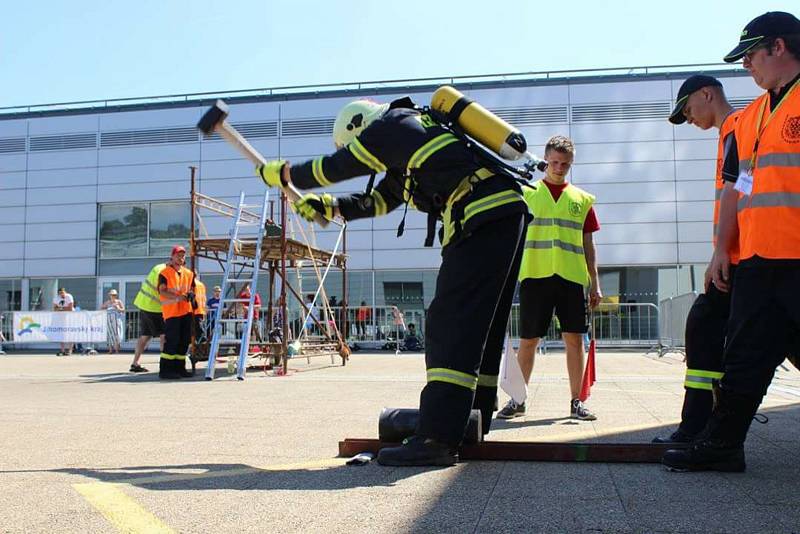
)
(123, 230)
(143, 230)
(10, 295)
(169, 226)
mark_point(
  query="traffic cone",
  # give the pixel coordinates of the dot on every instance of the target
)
(589, 374)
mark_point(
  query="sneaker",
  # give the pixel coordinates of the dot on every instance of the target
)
(578, 411)
(138, 369)
(511, 410)
(419, 451)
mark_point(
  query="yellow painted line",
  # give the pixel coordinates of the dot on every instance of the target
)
(180, 477)
(122, 511)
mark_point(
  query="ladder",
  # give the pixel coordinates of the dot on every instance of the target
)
(242, 218)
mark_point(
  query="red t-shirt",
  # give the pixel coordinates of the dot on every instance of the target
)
(256, 303)
(591, 224)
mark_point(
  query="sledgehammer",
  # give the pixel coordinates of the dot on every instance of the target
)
(214, 120)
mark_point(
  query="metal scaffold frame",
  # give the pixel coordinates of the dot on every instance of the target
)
(279, 253)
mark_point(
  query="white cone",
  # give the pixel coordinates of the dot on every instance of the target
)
(511, 379)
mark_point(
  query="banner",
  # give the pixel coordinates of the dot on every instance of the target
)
(60, 327)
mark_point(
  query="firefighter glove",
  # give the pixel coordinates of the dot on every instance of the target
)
(270, 172)
(311, 203)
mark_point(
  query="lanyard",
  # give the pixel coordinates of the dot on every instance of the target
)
(760, 129)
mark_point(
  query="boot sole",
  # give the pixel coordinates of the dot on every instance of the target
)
(417, 463)
(499, 416)
(722, 468)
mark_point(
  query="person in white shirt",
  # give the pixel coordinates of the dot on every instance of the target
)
(64, 302)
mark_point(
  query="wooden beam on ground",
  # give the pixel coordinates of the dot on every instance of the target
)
(533, 451)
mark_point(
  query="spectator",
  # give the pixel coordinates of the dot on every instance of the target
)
(64, 302)
(412, 341)
(2, 337)
(116, 316)
(363, 315)
(313, 314)
(212, 305)
(256, 328)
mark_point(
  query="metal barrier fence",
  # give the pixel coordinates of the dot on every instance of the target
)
(615, 325)
(632, 324)
(672, 322)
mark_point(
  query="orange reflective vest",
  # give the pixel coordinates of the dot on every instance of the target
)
(727, 127)
(200, 297)
(181, 283)
(769, 151)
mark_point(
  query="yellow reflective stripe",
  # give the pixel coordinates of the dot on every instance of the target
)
(365, 156)
(440, 374)
(319, 175)
(697, 385)
(166, 356)
(380, 203)
(428, 149)
(704, 374)
(488, 381)
(490, 202)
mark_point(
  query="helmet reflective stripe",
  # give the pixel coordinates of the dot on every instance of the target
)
(353, 118)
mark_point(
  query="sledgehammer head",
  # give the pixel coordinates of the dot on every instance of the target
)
(215, 115)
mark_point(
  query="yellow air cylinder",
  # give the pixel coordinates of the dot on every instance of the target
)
(480, 123)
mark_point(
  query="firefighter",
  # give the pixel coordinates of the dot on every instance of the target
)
(701, 102)
(484, 217)
(176, 288)
(764, 317)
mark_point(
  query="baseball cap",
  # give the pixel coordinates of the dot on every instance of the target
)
(176, 249)
(692, 84)
(770, 24)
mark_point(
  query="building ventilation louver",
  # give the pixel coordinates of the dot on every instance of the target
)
(253, 130)
(155, 136)
(626, 111)
(531, 116)
(9, 145)
(307, 127)
(63, 142)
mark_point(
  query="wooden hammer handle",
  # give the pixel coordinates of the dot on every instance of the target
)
(230, 134)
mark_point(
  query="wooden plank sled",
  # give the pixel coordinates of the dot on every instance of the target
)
(533, 451)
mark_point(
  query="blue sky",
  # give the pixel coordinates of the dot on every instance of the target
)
(56, 51)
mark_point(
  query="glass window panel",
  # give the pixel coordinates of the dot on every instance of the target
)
(83, 290)
(123, 230)
(41, 293)
(169, 226)
(131, 290)
(10, 295)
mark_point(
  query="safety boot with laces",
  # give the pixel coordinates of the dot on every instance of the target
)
(419, 451)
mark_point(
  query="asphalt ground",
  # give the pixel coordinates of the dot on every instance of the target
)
(86, 446)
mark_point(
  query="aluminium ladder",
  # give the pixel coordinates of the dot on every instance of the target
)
(243, 218)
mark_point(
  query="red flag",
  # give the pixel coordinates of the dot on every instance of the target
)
(589, 374)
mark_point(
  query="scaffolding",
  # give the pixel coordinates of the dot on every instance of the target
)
(279, 254)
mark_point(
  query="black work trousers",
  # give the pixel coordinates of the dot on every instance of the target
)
(177, 336)
(706, 327)
(466, 326)
(764, 323)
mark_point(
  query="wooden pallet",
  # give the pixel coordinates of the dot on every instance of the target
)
(536, 451)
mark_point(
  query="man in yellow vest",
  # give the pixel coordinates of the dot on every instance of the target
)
(151, 323)
(176, 288)
(765, 317)
(701, 102)
(558, 262)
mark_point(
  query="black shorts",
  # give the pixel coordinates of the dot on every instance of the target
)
(151, 324)
(538, 297)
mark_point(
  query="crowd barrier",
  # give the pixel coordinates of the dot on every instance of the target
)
(672, 322)
(634, 325)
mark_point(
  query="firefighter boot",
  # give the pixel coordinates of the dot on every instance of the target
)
(486, 401)
(166, 369)
(416, 451)
(180, 369)
(720, 446)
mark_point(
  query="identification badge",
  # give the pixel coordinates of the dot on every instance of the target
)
(744, 183)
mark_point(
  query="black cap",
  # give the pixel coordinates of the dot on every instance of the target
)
(692, 84)
(770, 24)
